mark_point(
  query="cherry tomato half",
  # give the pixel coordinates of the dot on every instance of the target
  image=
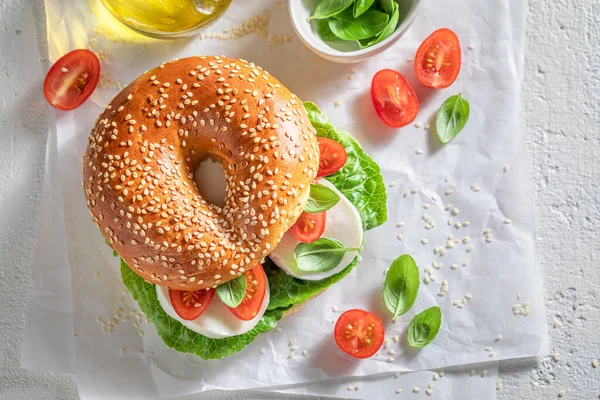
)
(394, 100)
(72, 79)
(437, 62)
(333, 157)
(189, 305)
(359, 333)
(309, 227)
(256, 288)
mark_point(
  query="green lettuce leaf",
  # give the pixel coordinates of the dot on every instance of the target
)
(359, 180)
(182, 339)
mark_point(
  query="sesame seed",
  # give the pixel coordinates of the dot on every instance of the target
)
(556, 357)
(305, 353)
(418, 151)
(429, 392)
(390, 359)
(506, 168)
(334, 309)
(291, 355)
(65, 70)
(122, 350)
(416, 390)
(484, 373)
(97, 275)
(471, 47)
(594, 363)
(398, 391)
(418, 125)
(423, 241)
(561, 393)
(262, 350)
(400, 236)
(338, 103)
(499, 338)
(398, 375)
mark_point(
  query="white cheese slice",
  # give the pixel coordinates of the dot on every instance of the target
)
(342, 223)
(216, 322)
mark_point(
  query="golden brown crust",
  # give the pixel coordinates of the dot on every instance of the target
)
(138, 169)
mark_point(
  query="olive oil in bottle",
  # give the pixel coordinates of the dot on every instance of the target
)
(166, 18)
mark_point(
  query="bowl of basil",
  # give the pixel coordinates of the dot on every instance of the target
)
(349, 31)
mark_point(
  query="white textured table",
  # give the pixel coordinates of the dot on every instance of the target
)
(561, 98)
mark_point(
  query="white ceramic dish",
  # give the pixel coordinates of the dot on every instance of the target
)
(345, 51)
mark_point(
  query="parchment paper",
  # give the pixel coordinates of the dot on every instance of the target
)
(497, 272)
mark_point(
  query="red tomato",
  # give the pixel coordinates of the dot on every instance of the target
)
(189, 305)
(72, 79)
(309, 227)
(333, 157)
(256, 288)
(359, 333)
(394, 100)
(437, 62)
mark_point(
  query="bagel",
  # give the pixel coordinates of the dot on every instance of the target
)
(138, 170)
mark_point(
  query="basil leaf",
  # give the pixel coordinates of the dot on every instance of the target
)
(361, 6)
(329, 8)
(321, 255)
(321, 198)
(346, 27)
(324, 32)
(424, 327)
(387, 6)
(401, 285)
(232, 292)
(387, 31)
(452, 117)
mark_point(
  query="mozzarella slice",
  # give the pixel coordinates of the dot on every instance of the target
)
(216, 322)
(342, 223)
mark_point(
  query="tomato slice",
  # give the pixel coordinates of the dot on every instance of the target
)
(333, 157)
(72, 79)
(359, 333)
(309, 227)
(256, 288)
(437, 62)
(394, 100)
(189, 305)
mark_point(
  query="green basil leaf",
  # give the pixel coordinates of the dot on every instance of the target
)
(401, 285)
(322, 255)
(329, 8)
(387, 6)
(452, 117)
(346, 27)
(232, 292)
(321, 198)
(324, 32)
(361, 6)
(386, 32)
(424, 327)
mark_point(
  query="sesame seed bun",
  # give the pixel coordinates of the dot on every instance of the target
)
(138, 170)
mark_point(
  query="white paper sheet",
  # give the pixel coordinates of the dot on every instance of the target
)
(490, 80)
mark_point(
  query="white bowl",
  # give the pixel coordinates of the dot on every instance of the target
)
(345, 51)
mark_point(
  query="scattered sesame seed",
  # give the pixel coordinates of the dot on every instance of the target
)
(594, 363)
(418, 125)
(414, 190)
(423, 241)
(391, 352)
(350, 388)
(506, 168)
(97, 275)
(471, 47)
(436, 376)
(278, 329)
(398, 391)
(140, 352)
(65, 70)
(561, 393)
(400, 236)
(122, 350)
(338, 103)
(455, 211)
(416, 390)
(492, 354)
(418, 151)
(469, 248)
(499, 338)
(396, 338)
(291, 355)
(449, 192)
(429, 392)
(556, 357)
(473, 372)
(400, 224)
(427, 126)
(507, 221)
(519, 296)
(392, 184)
(426, 280)
(390, 359)
(398, 375)
(446, 179)
(575, 306)
(498, 384)
(292, 342)
(305, 353)
(484, 373)
(453, 266)
(334, 309)
(262, 350)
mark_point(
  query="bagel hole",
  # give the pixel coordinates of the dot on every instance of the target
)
(210, 179)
